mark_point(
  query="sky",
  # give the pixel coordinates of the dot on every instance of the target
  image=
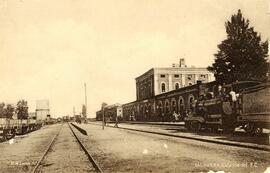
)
(50, 48)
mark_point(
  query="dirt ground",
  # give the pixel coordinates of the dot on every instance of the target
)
(22, 153)
(118, 150)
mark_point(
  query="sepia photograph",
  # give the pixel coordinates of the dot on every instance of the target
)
(134, 86)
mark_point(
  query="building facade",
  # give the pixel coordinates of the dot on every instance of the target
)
(161, 80)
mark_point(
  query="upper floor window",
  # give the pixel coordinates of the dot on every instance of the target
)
(162, 75)
(203, 76)
(176, 75)
(163, 87)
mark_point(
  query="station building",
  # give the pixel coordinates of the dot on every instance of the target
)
(161, 80)
(160, 92)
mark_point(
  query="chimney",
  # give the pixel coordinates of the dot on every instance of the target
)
(182, 62)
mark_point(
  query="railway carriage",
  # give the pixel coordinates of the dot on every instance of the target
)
(254, 108)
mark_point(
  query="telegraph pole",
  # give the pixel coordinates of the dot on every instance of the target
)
(268, 13)
(85, 100)
(103, 123)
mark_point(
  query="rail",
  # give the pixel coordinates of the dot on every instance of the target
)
(47, 150)
(90, 158)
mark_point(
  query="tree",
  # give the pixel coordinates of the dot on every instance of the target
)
(2, 110)
(8, 111)
(22, 109)
(242, 56)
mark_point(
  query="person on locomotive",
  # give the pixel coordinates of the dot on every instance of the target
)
(233, 99)
(219, 93)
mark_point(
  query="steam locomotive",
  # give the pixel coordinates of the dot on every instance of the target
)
(250, 111)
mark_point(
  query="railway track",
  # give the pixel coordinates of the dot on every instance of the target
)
(92, 161)
(229, 143)
(46, 151)
(90, 158)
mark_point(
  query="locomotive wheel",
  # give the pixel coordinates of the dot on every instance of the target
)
(196, 126)
(228, 130)
(258, 131)
(9, 134)
(187, 125)
(4, 137)
(249, 128)
(214, 129)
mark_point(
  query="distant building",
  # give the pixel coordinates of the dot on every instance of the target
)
(42, 109)
(113, 110)
(110, 112)
(161, 80)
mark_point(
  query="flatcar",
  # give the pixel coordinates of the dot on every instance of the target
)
(11, 127)
(8, 128)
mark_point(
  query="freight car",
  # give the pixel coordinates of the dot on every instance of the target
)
(251, 110)
(10, 127)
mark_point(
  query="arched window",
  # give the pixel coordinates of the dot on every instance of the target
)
(181, 105)
(146, 111)
(159, 107)
(167, 106)
(173, 106)
(163, 87)
(190, 102)
(176, 86)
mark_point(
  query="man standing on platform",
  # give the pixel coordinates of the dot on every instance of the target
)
(116, 122)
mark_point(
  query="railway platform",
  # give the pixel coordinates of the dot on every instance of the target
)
(177, 129)
(155, 123)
